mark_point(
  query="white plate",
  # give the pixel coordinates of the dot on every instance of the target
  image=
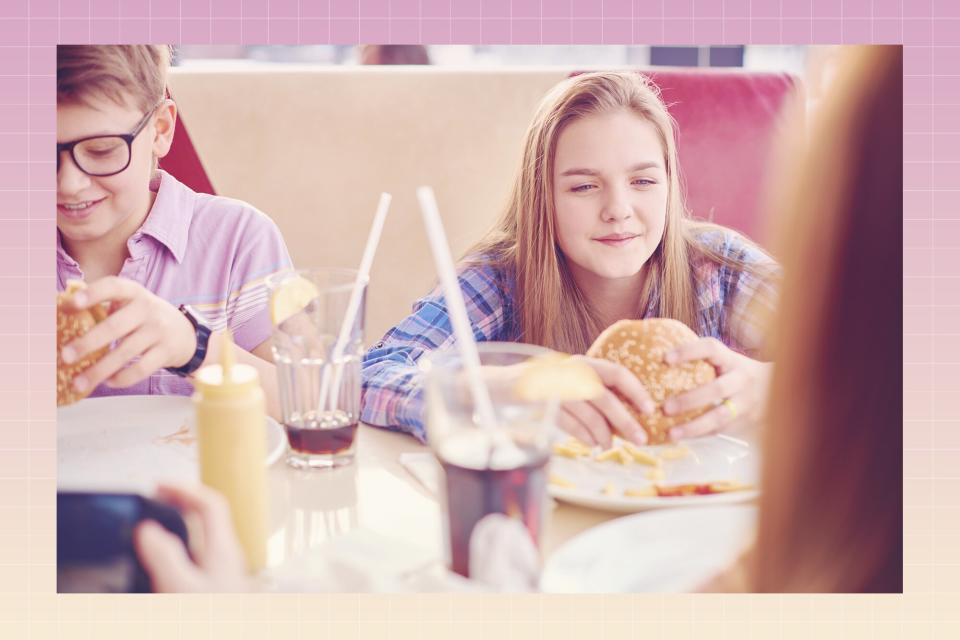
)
(667, 551)
(128, 443)
(711, 459)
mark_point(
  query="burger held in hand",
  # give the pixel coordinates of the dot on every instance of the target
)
(640, 346)
(71, 324)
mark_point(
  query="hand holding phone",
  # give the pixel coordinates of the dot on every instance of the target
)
(116, 542)
(95, 551)
(217, 563)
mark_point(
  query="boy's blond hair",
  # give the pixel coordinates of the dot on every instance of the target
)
(118, 72)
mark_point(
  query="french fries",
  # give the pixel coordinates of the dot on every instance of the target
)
(654, 474)
(563, 483)
(626, 453)
(674, 453)
(640, 455)
(613, 453)
(622, 452)
(657, 490)
(572, 448)
(682, 490)
(728, 486)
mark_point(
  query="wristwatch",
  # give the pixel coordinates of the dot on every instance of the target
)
(203, 339)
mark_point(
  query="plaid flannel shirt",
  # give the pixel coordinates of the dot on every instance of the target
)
(392, 394)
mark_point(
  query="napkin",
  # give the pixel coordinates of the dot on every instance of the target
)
(502, 555)
(366, 562)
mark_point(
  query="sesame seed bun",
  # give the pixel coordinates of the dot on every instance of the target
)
(640, 346)
(70, 326)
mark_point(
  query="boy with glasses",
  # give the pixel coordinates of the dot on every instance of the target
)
(175, 266)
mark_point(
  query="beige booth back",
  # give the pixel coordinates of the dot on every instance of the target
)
(314, 147)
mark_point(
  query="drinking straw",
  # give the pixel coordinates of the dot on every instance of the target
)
(455, 305)
(353, 305)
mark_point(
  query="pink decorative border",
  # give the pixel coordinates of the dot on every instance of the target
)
(929, 29)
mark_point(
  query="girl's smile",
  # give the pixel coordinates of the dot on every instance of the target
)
(617, 239)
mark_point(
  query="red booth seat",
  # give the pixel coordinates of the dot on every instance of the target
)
(728, 123)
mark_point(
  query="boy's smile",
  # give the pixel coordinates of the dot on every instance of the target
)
(103, 212)
(78, 210)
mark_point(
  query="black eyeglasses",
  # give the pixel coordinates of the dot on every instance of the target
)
(102, 156)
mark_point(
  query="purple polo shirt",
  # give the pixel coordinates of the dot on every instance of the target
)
(209, 252)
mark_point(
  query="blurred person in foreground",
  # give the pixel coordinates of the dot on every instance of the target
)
(831, 511)
(832, 506)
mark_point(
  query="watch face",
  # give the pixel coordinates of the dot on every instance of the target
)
(195, 318)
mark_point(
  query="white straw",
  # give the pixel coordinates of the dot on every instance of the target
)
(456, 306)
(353, 305)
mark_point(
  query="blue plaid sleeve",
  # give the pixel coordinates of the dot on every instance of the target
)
(392, 394)
(749, 299)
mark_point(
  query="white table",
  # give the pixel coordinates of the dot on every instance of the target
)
(129, 443)
(376, 493)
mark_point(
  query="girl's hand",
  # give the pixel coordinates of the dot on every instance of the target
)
(595, 421)
(737, 394)
(217, 564)
(150, 332)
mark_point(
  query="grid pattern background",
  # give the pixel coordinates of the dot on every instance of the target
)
(930, 33)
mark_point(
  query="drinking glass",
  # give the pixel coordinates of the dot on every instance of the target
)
(488, 469)
(319, 379)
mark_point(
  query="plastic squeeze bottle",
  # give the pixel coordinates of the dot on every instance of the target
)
(231, 435)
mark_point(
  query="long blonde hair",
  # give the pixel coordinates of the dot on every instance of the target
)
(832, 507)
(550, 308)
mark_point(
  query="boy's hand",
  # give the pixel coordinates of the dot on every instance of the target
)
(150, 332)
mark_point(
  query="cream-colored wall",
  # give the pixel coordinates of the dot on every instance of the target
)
(314, 147)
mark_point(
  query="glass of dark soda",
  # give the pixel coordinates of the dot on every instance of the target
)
(488, 469)
(318, 362)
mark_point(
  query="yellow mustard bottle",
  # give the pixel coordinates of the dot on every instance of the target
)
(231, 435)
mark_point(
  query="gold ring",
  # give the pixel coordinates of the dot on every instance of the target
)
(731, 407)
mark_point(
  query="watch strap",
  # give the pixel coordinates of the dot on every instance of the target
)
(203, 340)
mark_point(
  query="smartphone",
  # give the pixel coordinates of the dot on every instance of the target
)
(95, 551)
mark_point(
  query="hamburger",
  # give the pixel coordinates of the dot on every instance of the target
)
(640, 346)
(72, 324)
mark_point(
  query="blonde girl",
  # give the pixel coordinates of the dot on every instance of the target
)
(596, 231)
